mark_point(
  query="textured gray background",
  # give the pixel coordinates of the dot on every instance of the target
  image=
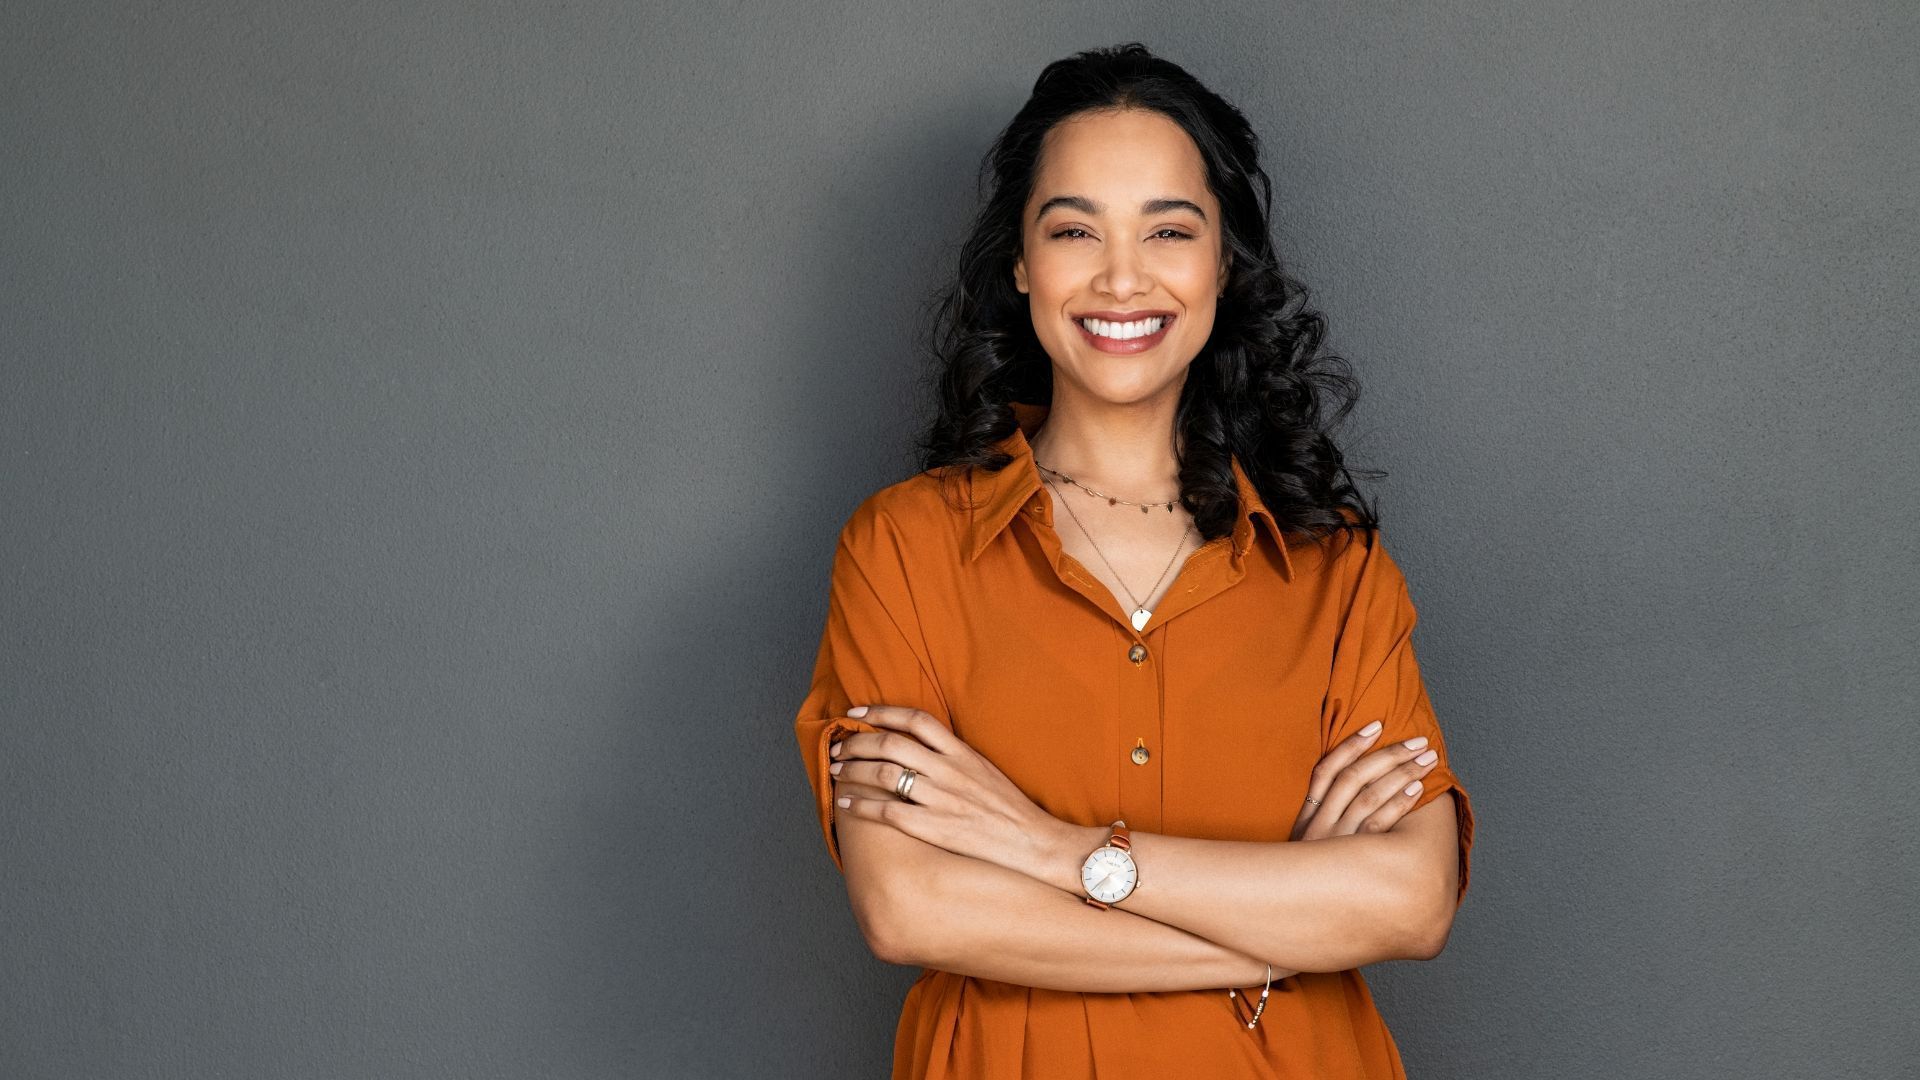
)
(425, 426)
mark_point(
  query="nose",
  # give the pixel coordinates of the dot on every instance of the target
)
(1124, 274)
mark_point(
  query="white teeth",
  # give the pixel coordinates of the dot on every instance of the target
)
(1126, 331)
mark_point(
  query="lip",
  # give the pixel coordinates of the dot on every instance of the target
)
(1131, 346)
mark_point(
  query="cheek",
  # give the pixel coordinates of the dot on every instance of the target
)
(1049, 275)
(1195, 279)
(1197, 286)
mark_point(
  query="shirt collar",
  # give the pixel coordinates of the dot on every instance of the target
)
(998, 496)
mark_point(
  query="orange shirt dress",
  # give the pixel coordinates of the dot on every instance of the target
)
(1260, 657)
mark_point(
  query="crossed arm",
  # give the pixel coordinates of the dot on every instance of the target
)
(1216, 914)
(924, 906)
(1208, 913)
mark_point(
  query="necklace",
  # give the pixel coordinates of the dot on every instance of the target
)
(1144, 507)
(1141, 613)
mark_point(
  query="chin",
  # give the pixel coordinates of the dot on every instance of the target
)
(1102, 378)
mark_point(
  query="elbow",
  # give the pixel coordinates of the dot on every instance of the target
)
(914, 931)
(1433, 920)
(889, 943)
(888, 884)
(1434, 942)
(877, 925)
(884, 924)
(1420, 919)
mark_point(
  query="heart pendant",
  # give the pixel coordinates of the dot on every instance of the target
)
(1140, 617)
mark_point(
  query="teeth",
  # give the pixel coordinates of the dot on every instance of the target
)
(1124, 331)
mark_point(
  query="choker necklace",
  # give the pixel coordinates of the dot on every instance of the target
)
(1141, 613)
(1111, 499)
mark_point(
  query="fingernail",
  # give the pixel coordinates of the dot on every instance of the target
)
(835, 767)
(1427, 758)
(835, 751)
(844, 802)
(1371, 729)
(1412, 789)
(1416, 742)
(857, 710)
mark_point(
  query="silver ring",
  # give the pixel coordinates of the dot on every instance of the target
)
(1314, 801)
(904, 786)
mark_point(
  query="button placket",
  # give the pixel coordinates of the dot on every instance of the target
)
(1140, 782)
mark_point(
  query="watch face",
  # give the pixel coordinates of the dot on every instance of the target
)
(1108, 875)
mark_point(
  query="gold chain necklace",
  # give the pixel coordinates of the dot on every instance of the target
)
(1141, 613)
(1111, 499)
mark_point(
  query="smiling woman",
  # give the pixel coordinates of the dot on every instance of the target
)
(1148, 251)
(1142, 786)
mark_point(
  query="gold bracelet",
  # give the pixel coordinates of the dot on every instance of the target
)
(1258, 1009)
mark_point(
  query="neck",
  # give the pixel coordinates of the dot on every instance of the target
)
(1127, 450)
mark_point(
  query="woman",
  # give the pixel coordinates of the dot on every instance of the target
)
(1131, 632)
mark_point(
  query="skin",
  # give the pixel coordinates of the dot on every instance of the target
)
(972, 876)
(963, 806)
(1120, 219)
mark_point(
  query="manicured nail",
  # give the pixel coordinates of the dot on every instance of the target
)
(1412, 789)
(1427, 758)
(844, 802)
(1371, 729)
(1416, 742)
(835, 767)
(835, 751)
(857, 710)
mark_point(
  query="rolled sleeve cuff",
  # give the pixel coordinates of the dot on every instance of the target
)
(816, 740)
(1435, 784)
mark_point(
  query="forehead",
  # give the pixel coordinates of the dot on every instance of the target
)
(1120, 159)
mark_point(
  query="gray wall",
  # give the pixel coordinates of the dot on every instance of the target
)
(424, 429)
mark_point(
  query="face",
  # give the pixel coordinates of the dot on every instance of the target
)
(1122, 256)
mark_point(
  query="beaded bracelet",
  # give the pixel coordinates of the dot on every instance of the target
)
(1258, 1009)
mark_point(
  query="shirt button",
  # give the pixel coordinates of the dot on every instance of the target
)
(1139, 755)
(1137, 653)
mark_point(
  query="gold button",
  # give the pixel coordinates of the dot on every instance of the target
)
(1140, 755)
(1037, 511)
(1137, 653)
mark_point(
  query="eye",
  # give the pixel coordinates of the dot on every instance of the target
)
(1173, 234)
(1063, 234)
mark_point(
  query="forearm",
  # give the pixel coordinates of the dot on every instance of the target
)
(1319, 905)
(989, 922)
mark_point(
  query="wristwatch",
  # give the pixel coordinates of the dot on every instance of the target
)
(1109, 875)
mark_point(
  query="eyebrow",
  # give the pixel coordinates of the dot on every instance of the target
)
(1088, 206)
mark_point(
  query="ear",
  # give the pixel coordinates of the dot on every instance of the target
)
(1020, 273)
(1226, 273)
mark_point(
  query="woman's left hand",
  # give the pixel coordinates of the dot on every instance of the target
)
(959, 801)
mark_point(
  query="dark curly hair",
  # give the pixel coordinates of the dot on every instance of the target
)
(1261, 387)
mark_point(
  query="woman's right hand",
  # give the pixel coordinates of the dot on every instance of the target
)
(1363, 790)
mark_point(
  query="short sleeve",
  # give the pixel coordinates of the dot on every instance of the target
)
(872, 651)
(1376, 677)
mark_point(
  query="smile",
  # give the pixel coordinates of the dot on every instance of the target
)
(1138, 335)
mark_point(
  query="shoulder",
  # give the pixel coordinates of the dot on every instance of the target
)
(1349, 558)
(919, 519)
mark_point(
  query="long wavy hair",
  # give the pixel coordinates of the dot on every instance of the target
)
(1261, 387)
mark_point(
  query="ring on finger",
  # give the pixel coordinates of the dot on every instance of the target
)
(903, 787)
